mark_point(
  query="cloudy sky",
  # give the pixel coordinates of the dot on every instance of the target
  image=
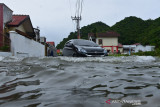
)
(54, 16)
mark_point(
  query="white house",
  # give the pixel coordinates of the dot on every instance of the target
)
(137, 48)
(144, 48)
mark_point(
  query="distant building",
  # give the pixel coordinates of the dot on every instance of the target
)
(137, 47)
(23, 24)
(37, 33)
(43, 40)
(51, 43)
(141, 48)
(127, 49)
(107, 40)
(51, 50)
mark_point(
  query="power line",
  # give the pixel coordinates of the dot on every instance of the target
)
(70, 6)
(81, 7)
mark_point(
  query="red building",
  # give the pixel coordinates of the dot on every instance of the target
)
(51, 43)
(5, 17)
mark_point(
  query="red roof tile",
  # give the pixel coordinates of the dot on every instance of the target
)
(52, 43)
(108, 34)
(136, 44)
(17, 20)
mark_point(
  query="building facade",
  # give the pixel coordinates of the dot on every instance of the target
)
(108, 40)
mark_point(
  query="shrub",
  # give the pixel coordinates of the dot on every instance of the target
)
(5, 48)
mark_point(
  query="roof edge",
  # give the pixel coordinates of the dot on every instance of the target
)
(6, 6)
(27, 17)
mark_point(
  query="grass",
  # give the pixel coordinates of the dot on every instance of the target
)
(149, 53)
(118, 55)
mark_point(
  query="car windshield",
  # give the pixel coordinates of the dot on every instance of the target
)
(85, 43)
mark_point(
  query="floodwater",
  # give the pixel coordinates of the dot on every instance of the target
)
(79, 82)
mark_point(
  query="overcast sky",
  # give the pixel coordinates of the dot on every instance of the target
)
(54, 16)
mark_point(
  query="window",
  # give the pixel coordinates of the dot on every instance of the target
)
(100, 42)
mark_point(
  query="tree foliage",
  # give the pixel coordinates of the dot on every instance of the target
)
(95, 28)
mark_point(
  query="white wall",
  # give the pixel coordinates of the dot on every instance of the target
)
(109, 41)
(5, 54)
(22, 46)
(144, 48)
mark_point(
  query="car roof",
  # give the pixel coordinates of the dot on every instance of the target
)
(79, 40)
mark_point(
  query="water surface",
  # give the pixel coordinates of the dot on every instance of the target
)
(79, 82)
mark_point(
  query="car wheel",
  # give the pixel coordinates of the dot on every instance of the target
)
(74, 55)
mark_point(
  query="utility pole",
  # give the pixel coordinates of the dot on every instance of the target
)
(77, 19)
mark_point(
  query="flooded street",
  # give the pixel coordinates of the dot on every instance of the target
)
(79, 82)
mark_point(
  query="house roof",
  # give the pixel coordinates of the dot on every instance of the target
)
(107, 34)
(52, 43)
(18, 19)
(136, 44)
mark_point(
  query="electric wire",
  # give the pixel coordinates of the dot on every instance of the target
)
(73, 24)
(81, 8)
(78, 9)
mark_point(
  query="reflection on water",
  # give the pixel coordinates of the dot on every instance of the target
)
(79, 82)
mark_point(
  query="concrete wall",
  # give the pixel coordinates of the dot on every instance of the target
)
(120, 49)
(7, 15)
(22, 46)
(5, 54)
(144, 48)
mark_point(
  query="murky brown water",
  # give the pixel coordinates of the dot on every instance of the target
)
(79, 82)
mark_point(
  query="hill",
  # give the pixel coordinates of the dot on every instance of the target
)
(95, 27)
(132, 30)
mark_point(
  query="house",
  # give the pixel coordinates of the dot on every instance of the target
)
(137, 47)
(51, 50)
(128, 49)
(144, 48)
(22, 24)
(51, 43)
(107, 40)
(17, 32)
(9, 22)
